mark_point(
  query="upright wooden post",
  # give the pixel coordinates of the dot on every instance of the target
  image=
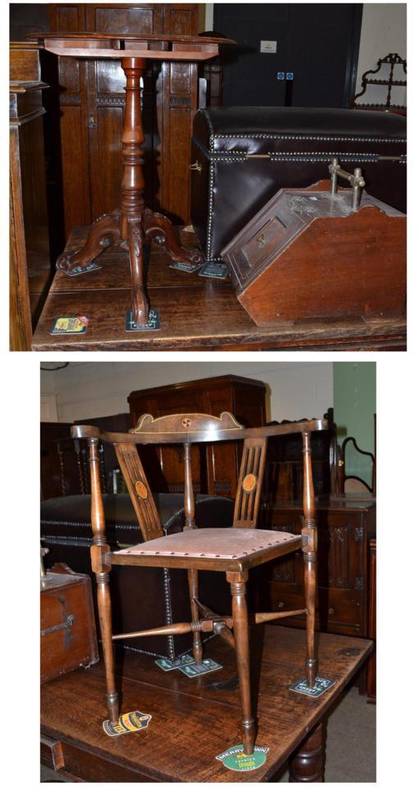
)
(189, 506)
(309, 534)
(132, 185)
(189, 499)
(98, 552)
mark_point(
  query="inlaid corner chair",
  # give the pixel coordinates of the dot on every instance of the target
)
(233, 550)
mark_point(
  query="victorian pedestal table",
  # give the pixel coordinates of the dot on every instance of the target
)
(133, 225)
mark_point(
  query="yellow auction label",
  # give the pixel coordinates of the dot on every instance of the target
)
(131, 722)
(70, 325)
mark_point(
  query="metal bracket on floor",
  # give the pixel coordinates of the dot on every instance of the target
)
(320, 687)
(153, 323)
(213, 269)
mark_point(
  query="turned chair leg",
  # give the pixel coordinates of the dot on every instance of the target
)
(193, 593)
(241, 636)
(101, 567)
(310, 569)
(309, 535)
(105, 620)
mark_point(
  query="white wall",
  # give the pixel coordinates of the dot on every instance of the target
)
(383, 31)
(89, 389)
(209, 16)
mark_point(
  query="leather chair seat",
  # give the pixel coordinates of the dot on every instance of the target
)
(233, 543)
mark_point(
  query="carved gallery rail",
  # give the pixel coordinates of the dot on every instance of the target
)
(195, 314)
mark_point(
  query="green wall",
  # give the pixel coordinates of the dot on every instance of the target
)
(354, 402)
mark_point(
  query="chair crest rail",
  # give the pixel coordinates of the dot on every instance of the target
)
(196, 436)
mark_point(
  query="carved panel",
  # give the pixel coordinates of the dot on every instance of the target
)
(285, 569)
(69, 18)
(358, 534)
(110, 77)
(143, 18)
(178, 19)
(71, 73)
(339, 556)
(180, 79)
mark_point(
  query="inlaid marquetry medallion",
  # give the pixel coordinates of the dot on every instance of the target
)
(141, 490)
(249, 482)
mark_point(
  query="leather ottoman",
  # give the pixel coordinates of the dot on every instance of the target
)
(140, 598)
(242, 156)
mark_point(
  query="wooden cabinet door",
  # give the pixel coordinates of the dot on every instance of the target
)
(342, 569)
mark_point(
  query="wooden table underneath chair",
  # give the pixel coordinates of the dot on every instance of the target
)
(193, 722)
(195, 314)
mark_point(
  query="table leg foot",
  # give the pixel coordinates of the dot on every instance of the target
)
(103, 232)
(139, 317)
(307, 764)
(159, 227)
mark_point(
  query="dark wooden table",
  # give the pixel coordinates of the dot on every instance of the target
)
(196, 314)
(192, 721)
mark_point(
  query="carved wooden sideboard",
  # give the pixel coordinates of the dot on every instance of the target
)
(345, 527)
(91, 98)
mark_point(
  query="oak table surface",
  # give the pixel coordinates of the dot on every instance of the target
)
(195, 313)
(191, 722)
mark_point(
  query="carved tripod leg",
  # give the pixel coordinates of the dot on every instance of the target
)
(98, 551)
(310, 563)
(193, 593)
(241, 635)
(139, 303)
(159, 227)
(103, 232)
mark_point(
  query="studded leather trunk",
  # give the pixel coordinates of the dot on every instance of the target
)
(242, 156)
(143, 597)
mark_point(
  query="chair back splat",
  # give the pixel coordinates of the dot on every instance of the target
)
(249, 487)
(139, 490)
